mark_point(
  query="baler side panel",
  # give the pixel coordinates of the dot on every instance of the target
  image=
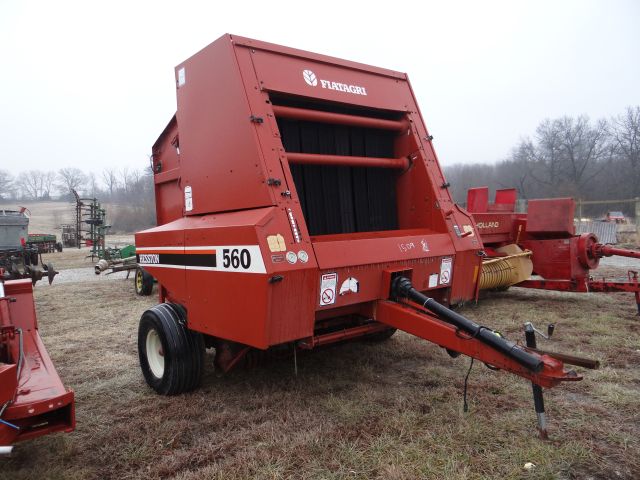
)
(551, 217)
(166, 168)
(292, 286)
(556, 258)
(221, 160)
(417, 201)
(291, 305)
(218, 306)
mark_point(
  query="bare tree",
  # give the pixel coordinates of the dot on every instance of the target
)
(136, 176)
(462, 177)
(6, 182)
(125, 179)
(564, 158)
(626, 138)
(515, 173)
(70, 178)
(585, 151)
(543, 157)
(48, 179)
(92, 183)
(31, 184)
(110, 179)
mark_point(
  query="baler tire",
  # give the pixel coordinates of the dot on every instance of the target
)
(182, 350)
(143, 282)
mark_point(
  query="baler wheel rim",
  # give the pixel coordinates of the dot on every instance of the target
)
(143, 282)
(155, 353)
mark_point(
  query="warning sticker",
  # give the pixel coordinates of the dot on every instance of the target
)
(328, 283)
(445, 270)
(433, 280)
(188, 199)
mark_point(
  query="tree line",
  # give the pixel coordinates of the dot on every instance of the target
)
(110, 185)
(566, 157)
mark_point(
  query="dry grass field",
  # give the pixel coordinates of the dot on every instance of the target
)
(390, 410)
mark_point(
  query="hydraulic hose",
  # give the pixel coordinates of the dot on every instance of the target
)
(402, 287)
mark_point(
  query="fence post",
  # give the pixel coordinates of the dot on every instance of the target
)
(579, 210)
(637, 219)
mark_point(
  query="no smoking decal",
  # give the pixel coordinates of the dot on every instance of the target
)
(328, 283)
(445, 270)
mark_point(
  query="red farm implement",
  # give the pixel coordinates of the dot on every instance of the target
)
(299, 203)
(561, 259)
(33, 401)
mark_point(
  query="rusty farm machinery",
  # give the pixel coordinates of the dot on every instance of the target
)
(20, 258)
(310, 184)
(89, 228)
(557, 258)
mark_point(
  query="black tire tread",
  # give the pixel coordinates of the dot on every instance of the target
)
(184, 355)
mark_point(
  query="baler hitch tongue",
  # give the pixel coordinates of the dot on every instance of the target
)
(459, 334)
(402, 287)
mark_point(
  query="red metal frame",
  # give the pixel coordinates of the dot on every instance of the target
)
(37, 402)
(339, 118)
(349, 161)
(424, 325)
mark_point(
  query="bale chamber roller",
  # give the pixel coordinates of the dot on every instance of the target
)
(299, 203)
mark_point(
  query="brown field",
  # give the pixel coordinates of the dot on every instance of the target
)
(390, 410)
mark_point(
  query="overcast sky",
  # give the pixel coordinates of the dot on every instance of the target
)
(90, 84)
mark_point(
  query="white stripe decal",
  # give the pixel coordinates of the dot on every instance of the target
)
(175, 249)
(228, 258)
(157, 265)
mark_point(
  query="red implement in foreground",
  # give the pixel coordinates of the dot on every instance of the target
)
(33, 401)
(299, 201)
(561, 258)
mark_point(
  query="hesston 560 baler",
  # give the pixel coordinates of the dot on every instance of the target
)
(300, 202)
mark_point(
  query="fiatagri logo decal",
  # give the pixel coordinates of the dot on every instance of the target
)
(311, 80)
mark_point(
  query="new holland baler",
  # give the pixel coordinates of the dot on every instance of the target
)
(300, 202)
(560, 259)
